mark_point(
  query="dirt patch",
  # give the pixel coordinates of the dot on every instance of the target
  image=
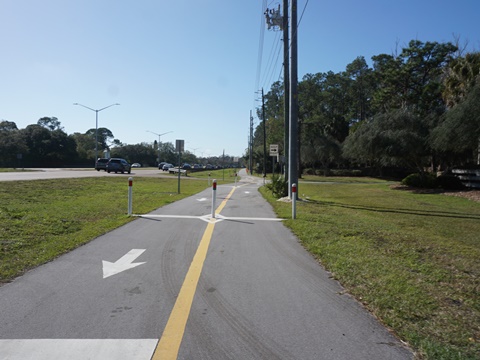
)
(473, 195)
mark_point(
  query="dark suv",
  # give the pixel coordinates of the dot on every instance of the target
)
(101, 164)
(117, 164)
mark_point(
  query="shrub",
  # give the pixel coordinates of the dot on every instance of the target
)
(423, 180)
(278, 186)
(346, 172)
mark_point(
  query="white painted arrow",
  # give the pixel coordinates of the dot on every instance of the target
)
(202, 199)
(122, 264)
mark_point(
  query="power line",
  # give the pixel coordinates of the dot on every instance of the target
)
(270, 80)
(260, 48)
(273, 61)
(298, 23)
(301, 16)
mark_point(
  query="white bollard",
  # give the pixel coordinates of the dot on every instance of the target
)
(294, 201)
(214, 197)
(130, 183)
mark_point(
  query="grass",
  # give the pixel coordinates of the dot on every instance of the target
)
(12, 170)
(219, 175)
(40, 220)
(412, 259)
(340, 179)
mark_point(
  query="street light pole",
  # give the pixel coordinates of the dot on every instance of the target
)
(158, 145)
(96, 124)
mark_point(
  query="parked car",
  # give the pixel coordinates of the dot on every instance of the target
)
(136, 165)
(186, 166)
(101, 164)
(166, 167)
(118, 164)
(160, 166)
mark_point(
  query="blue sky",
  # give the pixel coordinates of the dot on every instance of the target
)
(189, 67)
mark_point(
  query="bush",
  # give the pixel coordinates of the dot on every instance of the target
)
(278, 186)
(346, 172)
(423, 180)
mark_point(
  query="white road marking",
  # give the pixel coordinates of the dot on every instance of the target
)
(77, 349)
(167, 216)
(202, 199)
(122, 264)
(208, 218)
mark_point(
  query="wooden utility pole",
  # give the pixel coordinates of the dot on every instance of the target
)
(286, 87)
(264, 139)
(250, 144)
(293, 136)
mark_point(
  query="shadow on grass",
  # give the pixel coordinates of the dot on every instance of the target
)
(444, 214)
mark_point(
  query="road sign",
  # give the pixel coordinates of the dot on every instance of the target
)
(273, 150)
(180, 144)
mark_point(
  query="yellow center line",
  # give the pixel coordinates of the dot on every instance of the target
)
(169, 344)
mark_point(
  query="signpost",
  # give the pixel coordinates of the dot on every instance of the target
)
(180, 147)
(273, 154)
(235, 160)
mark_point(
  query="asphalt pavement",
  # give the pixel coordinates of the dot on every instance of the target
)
(178, 283)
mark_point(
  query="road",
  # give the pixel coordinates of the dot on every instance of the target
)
(179, 284)
(52, 173)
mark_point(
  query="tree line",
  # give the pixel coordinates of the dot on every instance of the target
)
(417, 109)
(46, 144)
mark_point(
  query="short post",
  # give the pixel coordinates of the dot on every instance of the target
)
(209, 178)
(179, 168)
(214, 197)
(130, 184)
(294, 201)
(235, 179)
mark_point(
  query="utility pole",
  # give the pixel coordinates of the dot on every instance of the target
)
(251, 144)
(264, 139)
(293, 136)
(276, 21)
(286, 87)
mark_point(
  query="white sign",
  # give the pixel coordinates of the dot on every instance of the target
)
(180, 145)
(273, 150)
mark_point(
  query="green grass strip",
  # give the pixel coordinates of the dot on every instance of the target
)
(411, 259)
(40, 220)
